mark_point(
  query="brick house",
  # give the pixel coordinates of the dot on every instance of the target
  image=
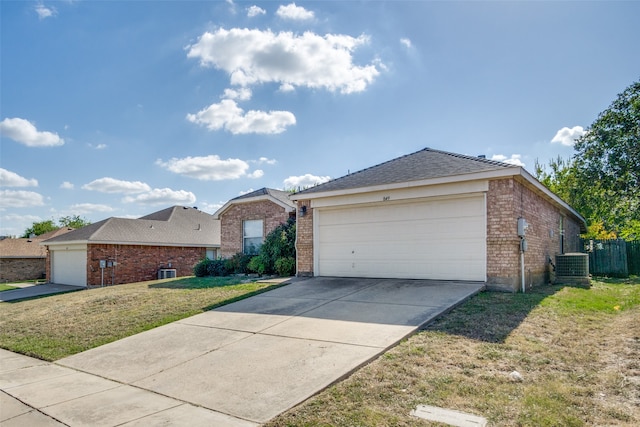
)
(435, 215)
(247, 219)
(24, 258)
(167, 243)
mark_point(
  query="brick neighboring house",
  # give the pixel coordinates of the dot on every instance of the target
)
(24, 258)
(247, 219)
(434, 215)
(119, 250)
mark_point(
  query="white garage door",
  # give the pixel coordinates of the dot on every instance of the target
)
(442, 238)
(69, 267)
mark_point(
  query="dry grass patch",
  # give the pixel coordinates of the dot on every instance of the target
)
(60, 325)
(578, 352)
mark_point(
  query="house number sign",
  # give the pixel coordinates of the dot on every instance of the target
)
(386, 198)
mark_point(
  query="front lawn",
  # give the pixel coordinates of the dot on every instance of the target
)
(4, 287)
(577, 350)
(56, 326)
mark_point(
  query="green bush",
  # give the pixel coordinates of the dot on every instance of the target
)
(201, 269)
(257, 265)
(286, 266)
(238, 263)
(217, 267)
(280, 243)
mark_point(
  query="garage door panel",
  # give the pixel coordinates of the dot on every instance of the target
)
(69, 267)
(443, 239)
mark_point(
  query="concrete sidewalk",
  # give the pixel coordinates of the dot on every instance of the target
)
(243, 363)
(36, 291)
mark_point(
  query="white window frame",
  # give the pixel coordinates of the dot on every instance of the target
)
(252, 234)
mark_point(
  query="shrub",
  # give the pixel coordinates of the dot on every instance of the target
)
(217, 267)
(286, 266)
(238, 263)
(201, 269)
(257, 265)
(280, 243)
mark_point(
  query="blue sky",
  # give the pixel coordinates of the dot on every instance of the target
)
(123, 108)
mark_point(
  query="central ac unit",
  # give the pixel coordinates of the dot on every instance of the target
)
(572, 268)
(166, 273)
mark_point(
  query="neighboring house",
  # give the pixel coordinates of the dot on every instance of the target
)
(118, 250)
(434, 215)
(24, 258)
(247, 219)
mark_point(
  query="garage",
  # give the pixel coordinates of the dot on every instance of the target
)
(69, 265)
(432, 238)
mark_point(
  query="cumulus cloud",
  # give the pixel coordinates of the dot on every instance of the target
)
(303, 181)
(24, 132)
(67, 186)
(515, 159)
(254, 11)
(242, 94)
(252, 56)
(406, 42)
(206, 168)
(12, 179)
(162, 196)
(293, 12)
(264, 160)
(45, 11)
(112, 185)
(568, 136)
(227, 115)
(258, 173)
(20, 199)
(86, 208)
(210, 207)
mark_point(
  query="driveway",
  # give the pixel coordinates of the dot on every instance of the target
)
(36, 291)
(248, 361)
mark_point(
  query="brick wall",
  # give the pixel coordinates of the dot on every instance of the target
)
(507, 200)
(136, 263)
(304, 240)
(231, 223)
(19, 269)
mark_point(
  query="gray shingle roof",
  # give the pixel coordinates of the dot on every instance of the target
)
(283, 196)
(174, 226)
(28, 247)
(424, 164)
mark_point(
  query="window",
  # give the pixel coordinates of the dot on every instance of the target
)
(252, 236)
(211, 253)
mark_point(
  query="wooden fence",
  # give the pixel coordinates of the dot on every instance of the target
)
(616, 258)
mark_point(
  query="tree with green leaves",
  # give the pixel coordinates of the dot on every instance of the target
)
(42, 227)
(602, 179)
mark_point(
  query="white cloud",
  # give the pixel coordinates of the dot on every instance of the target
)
(306, 180)
(18, 223)
(513, 160)
(264, 160)
(252, 56)
(163, 196)
(98, 146)
(254, 11)
(258, 173)
(406, 42)
(293, 12)
(67, 186)
(24, 132)
(227, 115)
(12, 179)
(568, 136)
(242, 94)
(242, 193)
(112, 185)
(210, 207)
(44, 11)
(86, 208)
(20, 199)
(207, 168)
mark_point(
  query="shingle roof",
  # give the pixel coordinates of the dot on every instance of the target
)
(424, 164)
(28, 248)
(283, 196)
(174, 226)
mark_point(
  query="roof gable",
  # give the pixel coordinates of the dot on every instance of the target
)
(278, 197)
(421, 165)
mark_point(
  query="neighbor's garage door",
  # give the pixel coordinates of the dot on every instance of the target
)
(429, 239)
(69, 266)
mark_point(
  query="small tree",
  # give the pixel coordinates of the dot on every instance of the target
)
(279, 244)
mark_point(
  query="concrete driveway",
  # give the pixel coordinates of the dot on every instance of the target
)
(246, 362)
(36, 291)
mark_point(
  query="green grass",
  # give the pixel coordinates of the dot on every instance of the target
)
(577, 349)
(4, 287)
(60, 325)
